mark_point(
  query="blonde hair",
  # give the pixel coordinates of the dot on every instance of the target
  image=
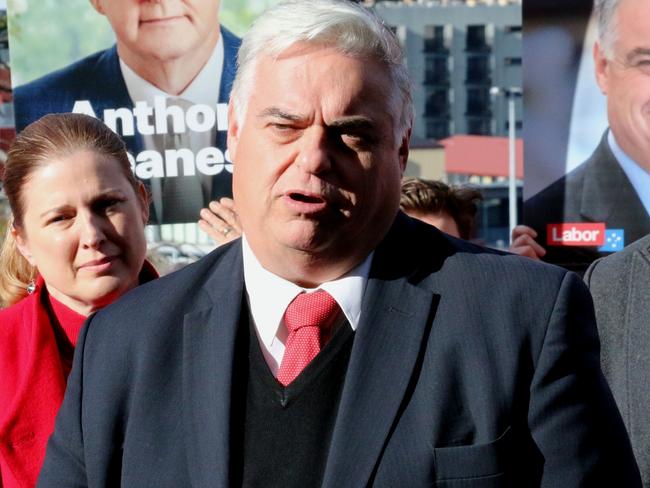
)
(51, 136)
(15, 271)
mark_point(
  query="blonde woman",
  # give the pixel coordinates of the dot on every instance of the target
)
(76, 244)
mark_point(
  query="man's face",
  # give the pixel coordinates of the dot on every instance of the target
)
(161, 30)
(317, 166)
(625, 80)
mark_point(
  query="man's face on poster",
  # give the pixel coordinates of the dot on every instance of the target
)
(165, 30)
(624, 77)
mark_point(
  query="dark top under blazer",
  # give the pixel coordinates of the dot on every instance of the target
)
(468, 367)
(596, 191)
(619, 285)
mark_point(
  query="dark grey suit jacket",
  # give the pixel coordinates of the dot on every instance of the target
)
(468, 369)
(596, 191)
(620, 286)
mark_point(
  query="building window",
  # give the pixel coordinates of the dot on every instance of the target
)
(434, 39)
(437, 103)
(437, 128)
(518, 125)
(513, 61)
(476, 39)
(478, 70)
(436, 70)
(479, 126)
(478, 101)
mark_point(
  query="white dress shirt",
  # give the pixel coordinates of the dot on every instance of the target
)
(638, 176)
(204, 89)
(269, 295)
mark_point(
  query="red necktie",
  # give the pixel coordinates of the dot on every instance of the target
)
(308, 318)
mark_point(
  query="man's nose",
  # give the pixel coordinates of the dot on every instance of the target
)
(315, 152)
(91, 230)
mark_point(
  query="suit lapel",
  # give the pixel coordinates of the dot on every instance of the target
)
(608, 195)
(231, 45)
(637, 321)
(208, 350)
(113, 95)
(395, 322)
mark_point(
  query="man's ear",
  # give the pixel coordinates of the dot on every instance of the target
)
(22, 245)
(602, 67)
(97, 5)
(233, 130)
(403, 151)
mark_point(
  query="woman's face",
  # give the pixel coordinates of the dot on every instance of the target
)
(83, 229)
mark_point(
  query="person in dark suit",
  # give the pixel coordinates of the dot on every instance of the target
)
(177, 50)
(338, 343)
(611, 186)
(619, 285)
(597, 191)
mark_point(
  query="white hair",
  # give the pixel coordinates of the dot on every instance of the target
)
(340, 24)
(605, 12)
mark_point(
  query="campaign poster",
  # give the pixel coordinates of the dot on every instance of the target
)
(67, 60)
(155, 78)
(579, 195)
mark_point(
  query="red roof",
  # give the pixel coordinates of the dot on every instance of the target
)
(481, 155)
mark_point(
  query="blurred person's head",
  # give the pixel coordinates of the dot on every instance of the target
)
(78, 213)
(161, 31)
(320, 121)
(450, 209)
(622, 60)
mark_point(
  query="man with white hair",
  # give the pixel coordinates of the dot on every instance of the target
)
(613, 186)
(338, 343)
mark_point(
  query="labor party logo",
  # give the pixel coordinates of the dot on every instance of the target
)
(576, 234)
(614, 240)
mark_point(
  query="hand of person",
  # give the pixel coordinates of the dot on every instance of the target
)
(220, 221)
(524, 243)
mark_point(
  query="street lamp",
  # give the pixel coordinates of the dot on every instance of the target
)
(510, 94)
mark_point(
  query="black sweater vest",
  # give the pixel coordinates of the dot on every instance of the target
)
(281, 436)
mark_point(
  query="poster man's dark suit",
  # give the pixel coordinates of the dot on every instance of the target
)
(98, 79)
(596, 191)
(468, 368)
(619, 285)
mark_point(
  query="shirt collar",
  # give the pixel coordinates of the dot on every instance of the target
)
(203, 89)
(269, 295)
(639, 178)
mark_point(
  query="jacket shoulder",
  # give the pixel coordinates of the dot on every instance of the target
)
(12, 317)
(433, 251)
(56, 92)
(173, 295)
(615, 265)
(230, 40)
(75, 74)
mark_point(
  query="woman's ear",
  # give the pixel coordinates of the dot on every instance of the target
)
(143, 196)
(22, 245)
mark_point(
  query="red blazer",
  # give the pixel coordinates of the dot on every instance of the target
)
(31, 389)
(32, 384)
